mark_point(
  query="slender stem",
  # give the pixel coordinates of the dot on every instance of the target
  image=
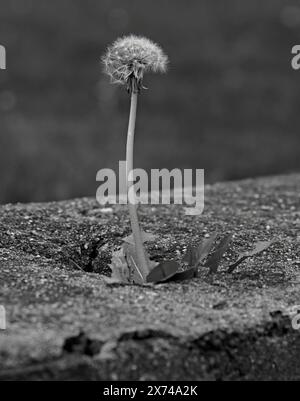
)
(139, 247)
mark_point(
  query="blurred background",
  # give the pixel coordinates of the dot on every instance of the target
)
(230, 102)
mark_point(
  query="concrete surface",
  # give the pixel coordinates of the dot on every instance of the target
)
(222, 327)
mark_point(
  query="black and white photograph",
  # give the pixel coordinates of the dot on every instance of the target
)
(150, 194)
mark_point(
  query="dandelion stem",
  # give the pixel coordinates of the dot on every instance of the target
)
(139, 247)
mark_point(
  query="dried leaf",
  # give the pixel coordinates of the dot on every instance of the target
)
(125, 268)
(119, 268)
(258, 248)
(163, 271)
(135, 274)
(146, 237)
(214, 260)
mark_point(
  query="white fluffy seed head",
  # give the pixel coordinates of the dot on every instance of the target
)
(128, 58)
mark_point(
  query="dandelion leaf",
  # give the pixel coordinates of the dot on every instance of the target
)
(214, 260)
(184, 275)
(194, 256)
(163, 271)
(258, 248)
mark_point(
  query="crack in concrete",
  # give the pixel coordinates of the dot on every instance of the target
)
(222, 353)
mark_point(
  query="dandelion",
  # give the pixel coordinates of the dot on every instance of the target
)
(130, 57)
(126, 62)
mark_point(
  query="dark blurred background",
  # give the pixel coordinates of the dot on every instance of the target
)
(230, 102)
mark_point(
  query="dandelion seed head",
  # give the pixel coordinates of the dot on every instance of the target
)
(129, 57)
